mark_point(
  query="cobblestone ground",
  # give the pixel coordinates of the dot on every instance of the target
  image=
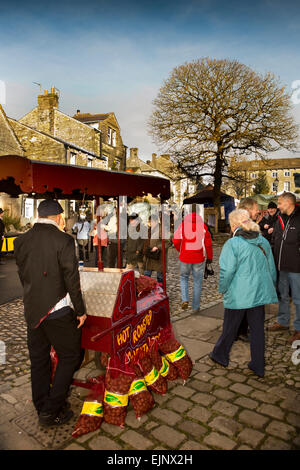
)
(218, 408)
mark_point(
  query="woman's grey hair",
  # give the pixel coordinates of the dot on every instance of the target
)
(241, 218)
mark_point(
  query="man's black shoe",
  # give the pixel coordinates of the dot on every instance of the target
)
(50, 419)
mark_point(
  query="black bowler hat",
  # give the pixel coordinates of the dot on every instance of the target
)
(49, 207)
(272, 205)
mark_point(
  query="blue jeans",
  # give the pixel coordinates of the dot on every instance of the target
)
(197, 271)
(160, 277)
(287, 281)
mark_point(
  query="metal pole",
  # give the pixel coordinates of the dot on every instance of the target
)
(98, 247)
(118, 233)
(163, 246)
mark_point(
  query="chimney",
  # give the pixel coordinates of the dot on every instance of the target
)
(134, 153)
(154, 160)
(47, 103)
(133, 161)
(78, 111)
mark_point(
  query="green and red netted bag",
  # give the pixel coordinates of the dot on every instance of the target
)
(165, 368)
(91, 415)
(154, 381)
(118, 379)
(139, 396)
(175, 352)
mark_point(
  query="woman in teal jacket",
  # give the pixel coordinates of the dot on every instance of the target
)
(247, 280)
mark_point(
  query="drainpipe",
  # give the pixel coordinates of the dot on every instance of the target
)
(66, 153)
(100, 149)
(125, 157)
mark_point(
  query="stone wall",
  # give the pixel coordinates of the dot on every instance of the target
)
(114, 154)
(9, 144)
(67, 128)
(38, 146)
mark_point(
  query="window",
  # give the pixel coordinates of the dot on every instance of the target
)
(72, 158)
(274, 174)
(274, 187)
(105, 164)
(114, 139)
(287, 186)
(287, 173)
(28, 208)
(253, 175)
(111, 137)
(90, 162)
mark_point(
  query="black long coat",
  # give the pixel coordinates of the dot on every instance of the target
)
(48, 270)
(2, 228)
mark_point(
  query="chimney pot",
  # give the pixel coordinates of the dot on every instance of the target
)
(78, 111)
(46, 92)
(52, 89)
(154, 160)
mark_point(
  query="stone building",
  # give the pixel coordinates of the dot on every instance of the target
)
(112, 147)
(46, 133)
(280, 173)
(181, 186)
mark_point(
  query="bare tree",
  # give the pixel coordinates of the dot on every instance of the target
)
(210, 110)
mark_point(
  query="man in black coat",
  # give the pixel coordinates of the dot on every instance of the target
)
(286, 240)
(268, 222)
(2, 230)
(54, 310)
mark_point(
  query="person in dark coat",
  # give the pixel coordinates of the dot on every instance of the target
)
(2, 230)
(286, 239)
(54, 310)
(268, 222)
(154, 244)
(135, 243)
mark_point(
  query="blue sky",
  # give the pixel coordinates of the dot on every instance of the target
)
(114, 56)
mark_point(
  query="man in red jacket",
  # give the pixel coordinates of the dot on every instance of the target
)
(193, 241)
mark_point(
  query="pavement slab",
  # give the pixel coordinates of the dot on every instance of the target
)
(216, 409)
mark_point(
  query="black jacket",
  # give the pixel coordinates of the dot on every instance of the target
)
(2, 228)
(134, 245)
(48, 270)
(286, 242)
(268, 220)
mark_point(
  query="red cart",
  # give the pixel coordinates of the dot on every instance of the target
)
(121, 320)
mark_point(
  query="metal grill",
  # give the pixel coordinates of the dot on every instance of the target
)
(53, 437)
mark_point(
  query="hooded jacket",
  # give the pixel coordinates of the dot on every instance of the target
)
(286, 241)
(247, 272)
(192, 239)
